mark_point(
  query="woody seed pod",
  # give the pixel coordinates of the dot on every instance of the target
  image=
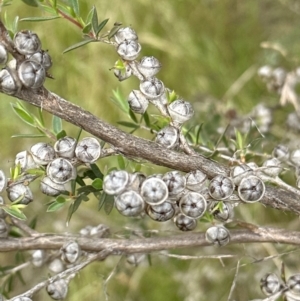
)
(130, 203)
(27, 42)
(58, 289)
(115, 182)
(32, 74)
(270, 284)
(168, 137)
(180, 111)
(88, 150)
(218, 235)
(152, 88)
(137, 101)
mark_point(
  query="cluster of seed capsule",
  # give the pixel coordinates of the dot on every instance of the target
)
(60, 163)
(151, 89)
(30, 69)
(184, 198)
(274, 287)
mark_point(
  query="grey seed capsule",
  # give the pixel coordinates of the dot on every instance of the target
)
(224, 214)
(130, 203)
(185, 223)
(42, 57)
(56, 266)
(137, 101)
(3, 54)
(2, 180)
(154, 191)
(25, 160)
(218, 235)
(195, 180)
(135, 259)
(149, 66)
(162, 212)
(21, 192)
(58, 289)
(251, 189)
(175, 182)
(70, 252)
(51, 188)
(295, 157)
(281, 152)
(115, 182)
(239, 172)
(61, 171)
(7, 82)
(32, 74)
(270, 284)
(126, 33)
(220, 187)
(180, 111)
(65, 147)
(168, 137)
(42, 153)
(129, 50)
(88, 150)
(152, 88)
(265, 72)
(38, 258)
(27, 42)
(193, 204)
(293, 284)
(272, 167)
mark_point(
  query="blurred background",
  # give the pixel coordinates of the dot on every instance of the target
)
(210, 51)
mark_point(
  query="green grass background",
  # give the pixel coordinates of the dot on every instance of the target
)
(204, 46)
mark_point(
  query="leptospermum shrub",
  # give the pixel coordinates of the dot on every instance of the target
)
(199, 198)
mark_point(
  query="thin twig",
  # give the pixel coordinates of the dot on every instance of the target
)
(234, 281)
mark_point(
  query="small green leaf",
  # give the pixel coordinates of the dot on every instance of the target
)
(80, 44)
(121, 162)
(114, 30)
(109, 204)
(89, 16)
(96, 171)
(56, 124)
(39, 19)
(74, 206)
(97, 184)
(28, 136)
(100, 26)
(129, 124)
(132, 116)
(23, 115)
(87, 28)
(31, 3)
(35, 171)
(55, 206)
(94, 20)
(15, 24)
(60, 199)
(86, 189)
(75, 6)
(120, 101)
(147, 119)
(15, 212)
(61, 134)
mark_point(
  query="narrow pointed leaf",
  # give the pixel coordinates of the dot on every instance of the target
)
(78, 45)
(23, 115)
(15, 213)
(39, 19)
(101, 25)
(95, 20)
(56, 124)
(30, 3)
(75, 5)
